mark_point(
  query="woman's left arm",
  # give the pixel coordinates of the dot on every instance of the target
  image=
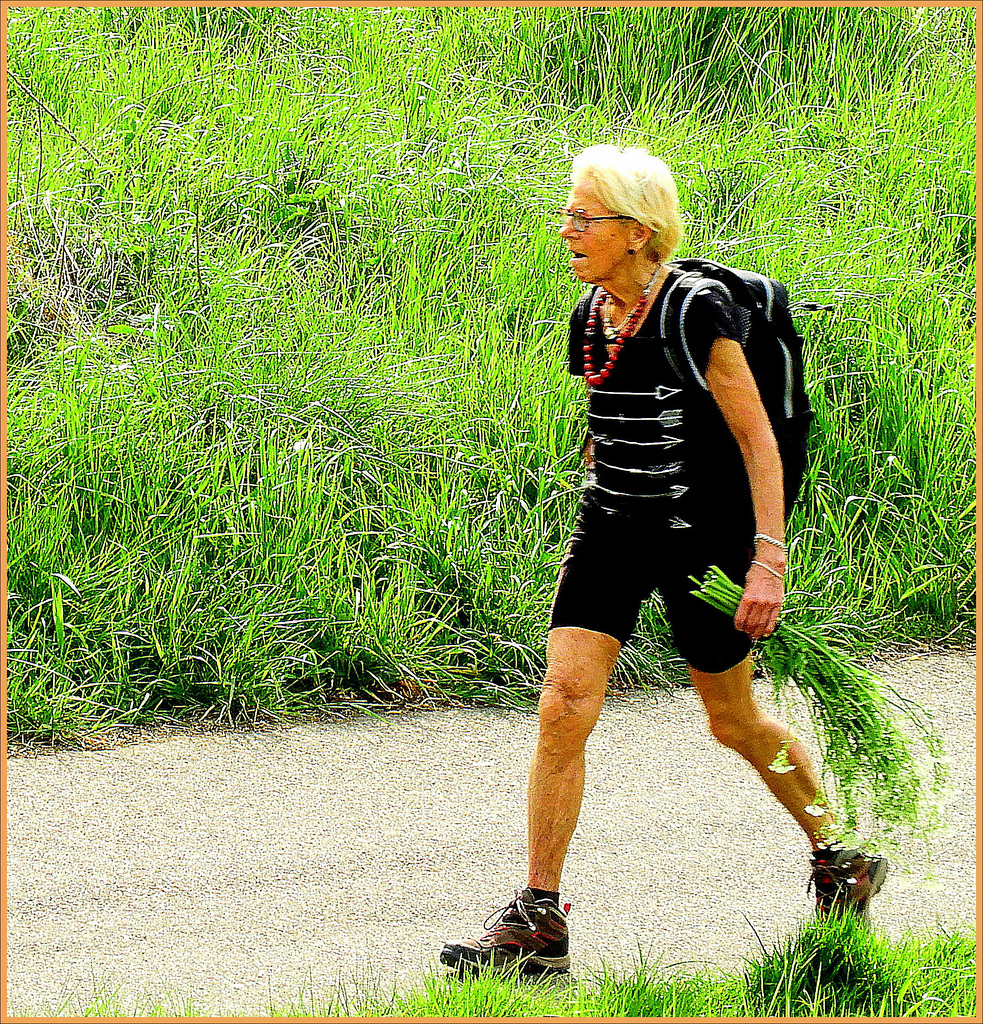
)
(732, 386)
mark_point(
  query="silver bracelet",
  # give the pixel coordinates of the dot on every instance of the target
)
(771, 540)
(778, 575)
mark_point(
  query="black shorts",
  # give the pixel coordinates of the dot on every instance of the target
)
(615, 560)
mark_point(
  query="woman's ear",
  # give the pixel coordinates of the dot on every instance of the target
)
(640, 236)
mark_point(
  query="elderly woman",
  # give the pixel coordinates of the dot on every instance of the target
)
(684, 473)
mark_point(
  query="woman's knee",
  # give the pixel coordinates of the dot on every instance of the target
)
(565, 702)
(579, 664)
(566, 720)
(741, 731)
(732, 712)
(727, 730)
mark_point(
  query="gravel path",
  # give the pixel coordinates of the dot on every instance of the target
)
(232, 869)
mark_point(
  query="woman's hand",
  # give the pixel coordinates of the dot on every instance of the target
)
(757, 614)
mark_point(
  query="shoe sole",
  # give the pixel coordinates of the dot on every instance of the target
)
(469, 961)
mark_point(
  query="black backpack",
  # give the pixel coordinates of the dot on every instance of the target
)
(772, 347)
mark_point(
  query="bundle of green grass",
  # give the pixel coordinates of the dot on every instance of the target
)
(880, 748)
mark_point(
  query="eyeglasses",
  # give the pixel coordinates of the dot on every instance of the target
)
(582, 221)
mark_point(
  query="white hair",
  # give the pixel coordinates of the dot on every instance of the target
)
(636, 184)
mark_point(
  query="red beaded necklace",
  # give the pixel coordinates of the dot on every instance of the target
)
(591, 378)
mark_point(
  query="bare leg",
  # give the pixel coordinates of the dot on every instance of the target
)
(738, 722)
(579, 664)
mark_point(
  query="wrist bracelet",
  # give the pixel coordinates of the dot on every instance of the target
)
(774, 573)
(771, 540)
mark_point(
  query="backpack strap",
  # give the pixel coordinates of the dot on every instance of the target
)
(672, 324)
(582, 309)
(578, 323)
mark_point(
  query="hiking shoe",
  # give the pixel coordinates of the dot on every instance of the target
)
(844, 880)
(526, 936)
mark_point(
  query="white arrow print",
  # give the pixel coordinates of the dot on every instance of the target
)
(661, 393)
(678, 490)
(670, 418)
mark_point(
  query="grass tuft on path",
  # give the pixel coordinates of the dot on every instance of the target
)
(827, 969)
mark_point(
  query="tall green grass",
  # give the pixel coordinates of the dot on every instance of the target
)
(288, 416)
